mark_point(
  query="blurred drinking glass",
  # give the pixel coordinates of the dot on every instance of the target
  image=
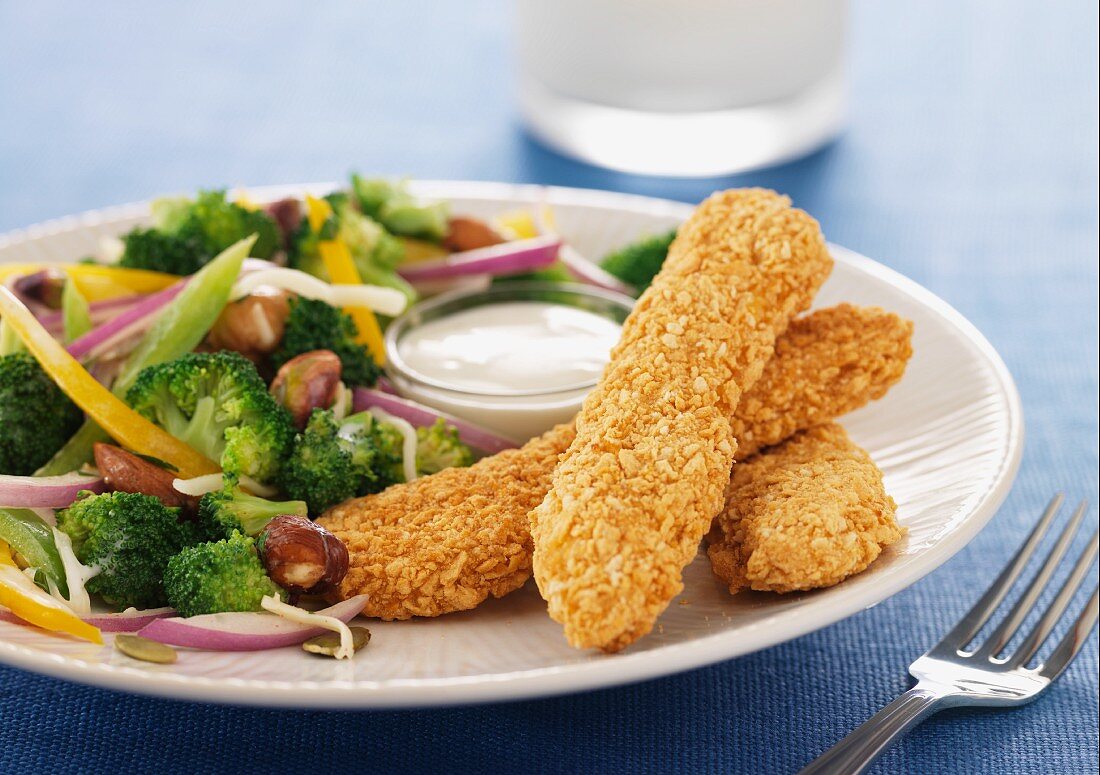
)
(682, 87)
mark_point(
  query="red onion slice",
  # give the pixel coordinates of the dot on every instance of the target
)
(251, 631)
(130, 620)
(515, 257)
(46, 492)
(138, 315)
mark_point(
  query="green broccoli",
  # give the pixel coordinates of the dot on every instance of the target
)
(36, 418)
(187, 233)
(314, 325)
(226, 575)
(394, 207)
(374, 250)
(219, 404)
(639, 262)
(129, 537)
(332, 460)
(438, 447)
(227, 510)
(180, 253)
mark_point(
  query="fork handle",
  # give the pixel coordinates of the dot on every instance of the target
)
(856, 752)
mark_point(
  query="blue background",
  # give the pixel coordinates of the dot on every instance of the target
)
(970, 165)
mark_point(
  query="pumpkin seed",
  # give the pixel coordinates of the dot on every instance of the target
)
(144, 649)
(329, 642)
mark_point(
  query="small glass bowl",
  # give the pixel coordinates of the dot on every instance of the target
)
(513, 413)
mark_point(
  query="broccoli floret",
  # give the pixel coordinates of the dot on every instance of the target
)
(226, 575)
(224, 223)
(375, 251)
(219, 404)
(129, 537)
(36, 418)
(399, 211)
(182, 253)
(438, 447)
(639, 262)
(314, 325)
(227, 510)
(188, 233)
(332, 460)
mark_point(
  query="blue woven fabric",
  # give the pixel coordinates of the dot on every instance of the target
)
(970, 165)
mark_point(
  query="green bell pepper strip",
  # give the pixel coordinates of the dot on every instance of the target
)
(76, 317)
(27, 533)
(178, 330)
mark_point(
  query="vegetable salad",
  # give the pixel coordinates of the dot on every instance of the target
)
(176, 409)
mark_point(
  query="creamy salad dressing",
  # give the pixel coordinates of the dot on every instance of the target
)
(515, 367)
(512, 346)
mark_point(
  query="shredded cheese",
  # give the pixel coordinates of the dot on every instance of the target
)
(294, 614)
(200, 485)
(386, 301)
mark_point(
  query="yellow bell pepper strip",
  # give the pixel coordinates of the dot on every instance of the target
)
(178, 329)
(96, 282)
(342, 271)
(241, 198)
(120, 421)
(521, 224)
(19, 594)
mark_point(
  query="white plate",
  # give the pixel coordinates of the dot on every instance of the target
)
(948, 438)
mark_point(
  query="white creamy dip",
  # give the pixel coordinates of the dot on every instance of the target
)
(516, 367)
(512, 346)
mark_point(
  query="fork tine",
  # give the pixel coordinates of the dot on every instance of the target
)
(1073, 640)
(967, 627)
(1008, 626)
(1042, 630)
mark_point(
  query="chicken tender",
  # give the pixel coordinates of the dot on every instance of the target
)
(411, 546)
(803, 515)
(827, 364)
(639, 485)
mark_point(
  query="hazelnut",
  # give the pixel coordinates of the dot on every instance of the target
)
(252, 326)
(306, 382)
(41, 290)
(465, 233)
(301, 556)
(124, 471)
(287, 214)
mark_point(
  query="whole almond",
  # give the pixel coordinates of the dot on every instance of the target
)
(126, 472)
(465, 233)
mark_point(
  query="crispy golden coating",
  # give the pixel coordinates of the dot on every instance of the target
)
(845, 356)
(639, 485)
(803, 515)
(827, 364)
(446, 542)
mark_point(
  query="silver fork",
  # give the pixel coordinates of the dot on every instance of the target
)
(947, 676)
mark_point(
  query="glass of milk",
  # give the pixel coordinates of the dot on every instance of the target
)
(682, 87)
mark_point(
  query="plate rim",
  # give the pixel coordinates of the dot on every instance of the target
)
(559, 679)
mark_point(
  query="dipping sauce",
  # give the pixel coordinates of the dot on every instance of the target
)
(516, 360)
(510, 347)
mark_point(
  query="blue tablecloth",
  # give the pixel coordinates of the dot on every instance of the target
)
(970, 165)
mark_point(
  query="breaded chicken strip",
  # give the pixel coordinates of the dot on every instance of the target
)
(827, 364)
(803, 515)
(447, 542)
(639, 485)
